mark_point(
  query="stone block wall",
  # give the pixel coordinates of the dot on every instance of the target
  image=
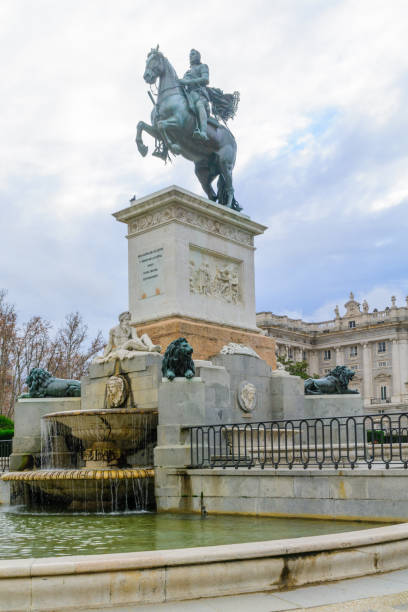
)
(143, 373)
(330, 494)
(27, 427)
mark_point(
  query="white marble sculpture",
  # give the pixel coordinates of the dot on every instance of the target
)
(280, 368)
(116, 391)
(124, 342)
(232, 348)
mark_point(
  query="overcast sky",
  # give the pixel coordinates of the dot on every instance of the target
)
(322, 133)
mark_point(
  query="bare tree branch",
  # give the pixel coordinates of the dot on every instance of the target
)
(66, 355)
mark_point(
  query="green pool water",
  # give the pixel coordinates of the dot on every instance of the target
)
(26, 534)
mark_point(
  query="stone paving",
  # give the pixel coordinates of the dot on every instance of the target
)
(379, 593)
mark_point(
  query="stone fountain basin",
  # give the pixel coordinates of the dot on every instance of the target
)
(89, 489)
(126, 428)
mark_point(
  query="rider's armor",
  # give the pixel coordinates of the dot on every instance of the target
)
(199, 97)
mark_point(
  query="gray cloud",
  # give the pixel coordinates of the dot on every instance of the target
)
(321, 133)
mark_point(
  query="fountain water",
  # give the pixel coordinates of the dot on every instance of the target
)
(88, 460)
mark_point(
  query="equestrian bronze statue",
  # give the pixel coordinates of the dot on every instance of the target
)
(182, 123)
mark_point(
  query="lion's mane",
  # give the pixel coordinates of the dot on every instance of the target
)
(343, 374)
(177, 358)
(37, 382)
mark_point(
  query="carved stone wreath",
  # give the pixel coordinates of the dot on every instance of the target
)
(116, 391)
(232, 348)
(247, 396)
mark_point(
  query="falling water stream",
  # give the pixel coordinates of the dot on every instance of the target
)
(92, 461)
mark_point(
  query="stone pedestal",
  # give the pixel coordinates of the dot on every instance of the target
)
(208, 339)
(198, 401)
(245, 368)
(287, 396)
(321, 406)
(203, 400)
(191, 272)
(27, 427)
(143, 372)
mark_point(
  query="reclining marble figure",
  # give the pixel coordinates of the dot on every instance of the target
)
(124, 342)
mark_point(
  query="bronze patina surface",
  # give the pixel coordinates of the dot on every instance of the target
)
(181, 123)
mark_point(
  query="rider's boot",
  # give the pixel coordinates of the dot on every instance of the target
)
(201, 133)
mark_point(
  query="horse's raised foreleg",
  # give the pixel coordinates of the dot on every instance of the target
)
(144, 127)
(163, 125)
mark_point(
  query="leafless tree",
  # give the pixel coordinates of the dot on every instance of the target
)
(65, 354)
(32, 349)
(8, 319)
(71, 356)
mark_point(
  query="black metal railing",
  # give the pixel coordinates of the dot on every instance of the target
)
(5, 452)
(380, 400)
(371, 440)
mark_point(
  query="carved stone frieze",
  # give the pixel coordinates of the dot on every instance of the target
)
(193, 218)
(106, 455)
(215, 277)
(102, 453)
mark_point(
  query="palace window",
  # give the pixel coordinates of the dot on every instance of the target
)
(382, 364)
(383, 392)
(327, 354)
(352, 324)
(382, 347)
(304, 355)
(290, 353)
(353, 351)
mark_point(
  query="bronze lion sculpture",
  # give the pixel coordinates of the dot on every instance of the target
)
(177, 360)
(41, 383)
(336, 381)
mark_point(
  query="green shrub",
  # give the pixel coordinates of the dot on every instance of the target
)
(6, 434)
(376, 435)
(382, 437)
(5, 423)
(6, 428)
(399, 438)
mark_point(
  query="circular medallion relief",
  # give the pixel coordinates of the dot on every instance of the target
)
(246, 396)
(116, 391)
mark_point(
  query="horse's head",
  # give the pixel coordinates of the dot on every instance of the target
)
(154, 66)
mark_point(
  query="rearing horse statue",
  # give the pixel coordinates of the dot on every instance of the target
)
(173, 124)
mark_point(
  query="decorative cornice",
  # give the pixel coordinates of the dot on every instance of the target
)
(382, 376)
(175, 204)
(191, 218)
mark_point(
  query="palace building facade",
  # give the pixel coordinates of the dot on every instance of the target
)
(374, 344)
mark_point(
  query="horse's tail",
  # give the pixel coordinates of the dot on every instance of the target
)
(222, 194)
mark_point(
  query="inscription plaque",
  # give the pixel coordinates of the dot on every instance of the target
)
(150, 273)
